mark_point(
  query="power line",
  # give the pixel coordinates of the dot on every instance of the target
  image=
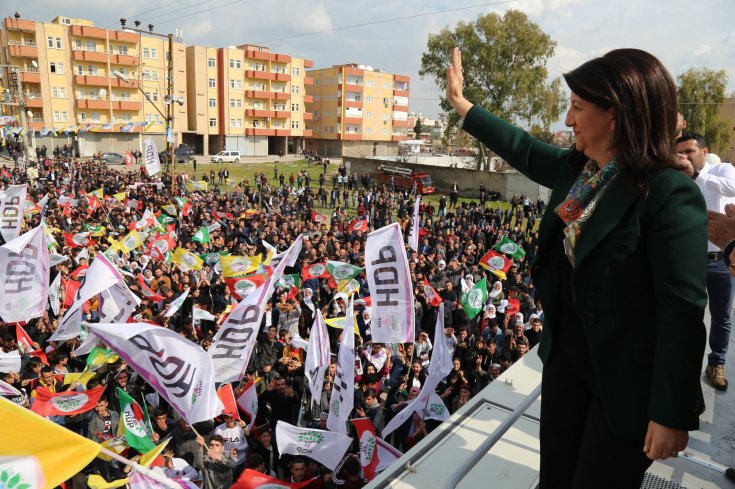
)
(158, 16)
(200, 12)
(394, 19)
(138, 14)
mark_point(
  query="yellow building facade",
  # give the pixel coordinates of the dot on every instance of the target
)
(71, 93)
(357, 111)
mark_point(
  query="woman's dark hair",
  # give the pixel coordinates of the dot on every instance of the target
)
(641, 91)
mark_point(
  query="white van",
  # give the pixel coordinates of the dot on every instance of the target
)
(226, 157)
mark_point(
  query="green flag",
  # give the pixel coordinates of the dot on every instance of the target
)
(164, 219)
(135, 423)
(293, 280)
(202, 235)
(474, 299)
(509, 247)
(342, 271)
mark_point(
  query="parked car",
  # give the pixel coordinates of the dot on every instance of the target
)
(113, 158)
(226, 157)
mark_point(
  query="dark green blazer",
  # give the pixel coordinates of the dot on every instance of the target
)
(639, 282)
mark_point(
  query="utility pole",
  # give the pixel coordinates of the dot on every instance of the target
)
(13, 75)
(170, 110)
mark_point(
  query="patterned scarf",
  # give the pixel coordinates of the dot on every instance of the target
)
(577, 208)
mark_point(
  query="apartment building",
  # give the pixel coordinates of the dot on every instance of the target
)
(71, 94)
(246, 98)
(357, 111)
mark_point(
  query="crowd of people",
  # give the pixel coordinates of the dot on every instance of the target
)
(254, 217)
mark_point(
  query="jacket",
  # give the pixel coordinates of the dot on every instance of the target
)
(640, 269)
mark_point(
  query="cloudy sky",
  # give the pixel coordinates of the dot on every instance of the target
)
(680, 32)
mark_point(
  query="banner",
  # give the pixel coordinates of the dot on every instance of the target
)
(497, 263)
(248, 402)
(474, 300)
(36, 453)
(389, 282)
(150, 155)
(24, 274)
(227, 397)
(117, 303)
(65, 403)
(176, 304)
(387, 454)
(186, 260)
(413, 237)
(342, 271)
(317, 357)
(325, 447)
(241, 287)
(10, 362)
(101, 275)
(315, 270)
(510, 247)
(369, 456)
(12, 203)
(342, 399)
(179, 370)
(234, 342)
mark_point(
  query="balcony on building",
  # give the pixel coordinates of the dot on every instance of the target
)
(400, 104)
(122, 36)
(400, 92)
(23, 49)
(34, 102)
(283, 132)
(259, 94)
(282, 58)
(260, 75)
(352, 71)
(30, 75)
(128, 104)
(282, 96)
(282, 114)
(399, 137)
(256, 131)
(308, 116)
(96, 80)
(401, 123)
(308, 99)
(124, 59)
(93, 103)
(259, 113)
(308, 133)
(401, 79)
(308, 63)
(308, 81)
(351, 137)
(88, 31)
(20, 25)
(282, 77)
(82, 54)
(351, 101)
(261, 55)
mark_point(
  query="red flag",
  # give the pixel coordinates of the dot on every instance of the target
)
(227, 396)
(147, 292)
(252, 479)
(77, 240)
(66, 403)
(318, 218)
(248, 402)
(368, 446)
(223, 215)
(514, 305)
(431, 295)
(241, 287)
(186, 209)
(71, 287)
(358, 225)
(315, 270)
(67, 210)
(26, 344)
(128, 158)
(80, 271)
(496, 262)
(94, 203)
(364, 301)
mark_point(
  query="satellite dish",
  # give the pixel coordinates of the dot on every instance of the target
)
(360, 67)
(369, 68)
(103, 93)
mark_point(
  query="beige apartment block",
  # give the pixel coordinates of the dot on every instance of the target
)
(67, 72)
(248, 99)
(357, 111)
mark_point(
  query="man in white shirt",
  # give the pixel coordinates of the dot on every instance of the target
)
(717, 183)
(234, 433)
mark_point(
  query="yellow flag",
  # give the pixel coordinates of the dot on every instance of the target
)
(193, 185)
(99, 232)
(236, 266)
(99, 193)
(119, 197)
(130, 242)
(147, 459)
(97, 482)
(35, 452)
(339, 323)
(187, 259)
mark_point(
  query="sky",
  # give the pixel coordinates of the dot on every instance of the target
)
(681, 33)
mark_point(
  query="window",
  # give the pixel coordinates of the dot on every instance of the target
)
(58, 92)
(295, 71)
(82, 117)
(370, 99)
(385, 117)
(56, 67)
(368, 115)
(123, 96)
(212, 83)
(66, 21)
(235, 84)
(58, 43)
(146, 53)
(80, 70)
(317, 82)
(77, 44)
(57, 116)
(235, 122)
(317, 98)
(154, 53)
(153, 96)
(294, 124)
(91, 46)
(126, 118)
(235, 103)
(235, 63)
(385, 85)
(95, 116)
(369, 130)
(212, 122)
(211, 63)
(212, 102)
(50, 43)
(150, 75)
(294, 107)
(122, 50)
(385, 131)
(64, 116)
(386, 101)
(92, 70)
(369, 83)
(295, 89)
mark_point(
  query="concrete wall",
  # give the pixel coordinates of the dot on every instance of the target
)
(468, 180)
(358, 149)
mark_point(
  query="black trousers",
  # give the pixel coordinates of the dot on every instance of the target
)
(578, 448)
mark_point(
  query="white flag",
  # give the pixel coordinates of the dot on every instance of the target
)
(203, 315)
(325, 447)
(10, 362)
(7, 390)
(117, 303)
(248, 402)
(286, 259)
(179, 370)
(12, 204)
(413, 237)
(55, 259)
(439, 367)
(387, 454)
(54, 299)
(150, 153)
(101, 275)
(389, 282)
(434, 408)
(317, 357)
(234, 342)
(176, 304)
(24, 273)
(343, 392)
(82, 254)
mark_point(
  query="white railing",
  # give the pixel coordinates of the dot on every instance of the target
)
(24, 42)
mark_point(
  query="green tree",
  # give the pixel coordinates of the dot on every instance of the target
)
(418, 128)
(701, 94)
(504, 60)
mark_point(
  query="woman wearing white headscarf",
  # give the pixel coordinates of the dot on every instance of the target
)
(496, 294)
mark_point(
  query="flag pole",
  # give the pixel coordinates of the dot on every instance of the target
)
(143, 470)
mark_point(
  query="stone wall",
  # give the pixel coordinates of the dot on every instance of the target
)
(469, 181)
